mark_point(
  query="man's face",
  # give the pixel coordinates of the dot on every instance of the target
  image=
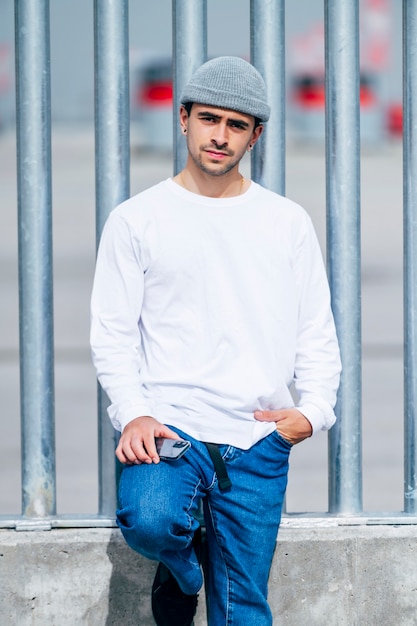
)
(218, 138)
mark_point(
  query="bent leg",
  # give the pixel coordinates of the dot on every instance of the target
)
(158, 503)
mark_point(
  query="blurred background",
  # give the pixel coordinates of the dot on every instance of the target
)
(228, 28)
(72, 84)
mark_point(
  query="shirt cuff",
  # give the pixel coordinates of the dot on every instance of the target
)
(316, 417)
(120, 416)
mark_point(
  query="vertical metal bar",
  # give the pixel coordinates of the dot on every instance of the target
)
(343, 214)
(410, 252)
(35, 257)
(112, 178)
(267, 21)
(189, 23)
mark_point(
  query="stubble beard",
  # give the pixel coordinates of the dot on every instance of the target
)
(215, 171)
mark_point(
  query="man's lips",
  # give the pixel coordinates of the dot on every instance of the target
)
(214, 154)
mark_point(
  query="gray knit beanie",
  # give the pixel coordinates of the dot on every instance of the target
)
(229, 83)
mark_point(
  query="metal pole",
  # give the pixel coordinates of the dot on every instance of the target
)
(189, 36)
(35, 257)
(112, 120)
(410, 252)
(343, 214)
(267, 21)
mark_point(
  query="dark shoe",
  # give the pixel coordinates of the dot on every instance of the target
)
(170, 605)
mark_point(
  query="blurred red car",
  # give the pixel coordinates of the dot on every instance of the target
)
(395, 119)
(307, 108)
(151, 102)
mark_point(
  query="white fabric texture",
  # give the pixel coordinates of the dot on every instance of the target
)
(207, 309)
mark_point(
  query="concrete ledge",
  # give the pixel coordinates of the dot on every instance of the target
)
(323, 575)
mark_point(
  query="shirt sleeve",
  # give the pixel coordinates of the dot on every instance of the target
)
(116, 304)
(317, 360)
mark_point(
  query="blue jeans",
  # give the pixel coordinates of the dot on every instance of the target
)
(157, 516)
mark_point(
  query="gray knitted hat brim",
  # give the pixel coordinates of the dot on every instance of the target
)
(229, 83)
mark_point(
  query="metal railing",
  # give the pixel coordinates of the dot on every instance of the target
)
(33, 118)
(268, 167)
(410, 253)
(343, 229)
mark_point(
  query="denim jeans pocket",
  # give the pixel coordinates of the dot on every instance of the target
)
(282, 440)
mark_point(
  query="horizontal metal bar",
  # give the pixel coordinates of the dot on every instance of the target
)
(290, 520)
(20, 523)
(309, 520)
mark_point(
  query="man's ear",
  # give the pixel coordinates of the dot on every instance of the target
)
(183, 117)
(257, 132)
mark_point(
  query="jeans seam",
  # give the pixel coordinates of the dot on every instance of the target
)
(229, 611)
(225, 455)
(213, 481)
(192, 500)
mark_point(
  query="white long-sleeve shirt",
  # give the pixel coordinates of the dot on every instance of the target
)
(207, 309)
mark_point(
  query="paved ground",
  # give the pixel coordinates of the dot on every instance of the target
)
(74, 245)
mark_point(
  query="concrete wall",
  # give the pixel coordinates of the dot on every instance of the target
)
(323, 574)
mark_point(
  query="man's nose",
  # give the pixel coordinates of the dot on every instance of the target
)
(219, 136)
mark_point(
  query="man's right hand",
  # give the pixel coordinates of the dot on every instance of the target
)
(137, 442)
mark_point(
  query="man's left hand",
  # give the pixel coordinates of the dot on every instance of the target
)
(291, 423)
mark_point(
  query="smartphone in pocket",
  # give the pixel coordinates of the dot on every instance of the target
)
(171, 449)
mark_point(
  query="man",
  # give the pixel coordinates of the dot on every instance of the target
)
(210, 301)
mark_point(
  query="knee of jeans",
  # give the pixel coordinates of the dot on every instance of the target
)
(146, 533)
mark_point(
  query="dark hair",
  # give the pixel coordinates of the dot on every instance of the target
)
(188, 105)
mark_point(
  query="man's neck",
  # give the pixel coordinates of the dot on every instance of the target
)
(223, 186)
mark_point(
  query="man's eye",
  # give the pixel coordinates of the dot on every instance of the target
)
(237, 125)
